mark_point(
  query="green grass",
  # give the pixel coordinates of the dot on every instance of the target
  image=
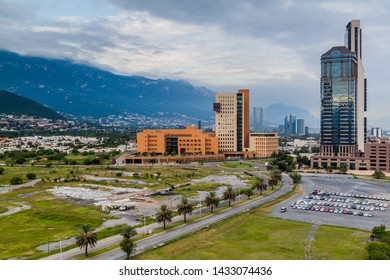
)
(253, 236)
(3, 209)
(23, 231)
(192, 190)
(236, 165)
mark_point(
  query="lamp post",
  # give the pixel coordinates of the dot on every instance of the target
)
(60, 245)
(200, 206)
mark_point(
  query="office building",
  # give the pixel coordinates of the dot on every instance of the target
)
(300, 126)
(232, 120)
(343, 103)
(264, 144)
(257, 119)
(188, 141)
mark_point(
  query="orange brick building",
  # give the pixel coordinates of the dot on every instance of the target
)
(188, 141)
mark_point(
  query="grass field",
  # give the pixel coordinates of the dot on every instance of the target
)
(253, 236)
(236, 165)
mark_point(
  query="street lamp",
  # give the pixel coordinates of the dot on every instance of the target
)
(200, 207)
(60, 245)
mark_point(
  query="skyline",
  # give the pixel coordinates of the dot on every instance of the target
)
(208, 44)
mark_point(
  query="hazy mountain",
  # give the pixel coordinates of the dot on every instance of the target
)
(87, 91)
(275, 114)
(14, 104)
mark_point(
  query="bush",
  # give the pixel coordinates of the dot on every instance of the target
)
(1, 170)
(16, 181)
(296, 177)
(378, 174)
(31, 176)
(119, 174)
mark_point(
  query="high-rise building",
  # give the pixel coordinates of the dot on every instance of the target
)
(343, 103)
(290, 125)
(232, 120)
(257, 119)
(353, 41)
(300, 126)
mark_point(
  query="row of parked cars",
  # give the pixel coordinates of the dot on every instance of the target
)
(342, 203)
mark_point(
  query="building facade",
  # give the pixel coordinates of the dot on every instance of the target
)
(188, 141)
(257, 119)
(232, 120)
(376, 132)
(264, 144)
(343, 103)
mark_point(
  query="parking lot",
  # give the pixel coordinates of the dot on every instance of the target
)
(338, 200)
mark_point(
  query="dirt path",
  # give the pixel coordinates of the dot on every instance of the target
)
(309, 239)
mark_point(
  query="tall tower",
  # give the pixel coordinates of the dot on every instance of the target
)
(353, 41)
(232, 120)
(339, 102)
(257, 119)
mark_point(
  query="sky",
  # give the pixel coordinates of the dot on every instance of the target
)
(272, 47)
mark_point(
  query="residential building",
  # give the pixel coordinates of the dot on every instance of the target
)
(300, 126)
(232, 120)
(257, 119)
(188, 141)
(264, 144)
(378, 153)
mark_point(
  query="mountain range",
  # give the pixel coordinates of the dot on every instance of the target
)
(13, 104)
(82, 90)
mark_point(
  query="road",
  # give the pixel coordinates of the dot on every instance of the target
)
(166, 236)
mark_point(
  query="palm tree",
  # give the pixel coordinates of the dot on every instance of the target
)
(127, 245)
(128, 232)
(86, 238)
(212, 200)
(164, 215)
(229, 194)
(248, 192)
(184, 208)
(258, 185)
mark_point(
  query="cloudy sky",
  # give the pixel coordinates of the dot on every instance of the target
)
(272, 47)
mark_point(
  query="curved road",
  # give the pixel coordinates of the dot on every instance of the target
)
(166, 236)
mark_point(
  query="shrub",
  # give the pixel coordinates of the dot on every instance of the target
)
(378, 174)
(16, 180)
(31, 176)
(1, 170)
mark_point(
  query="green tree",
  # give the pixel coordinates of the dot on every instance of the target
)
(164, 215)
(229, 194)
(212, 200)
(16, 180)
(184, 208)
(248, 192)
(296, 177)
(343, 168)
(1, 170)
(86, 238)
(378, 174)
(378, 232)
(378, 251)
(258, 184)
(127, 245)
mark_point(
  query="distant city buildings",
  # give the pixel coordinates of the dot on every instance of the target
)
(290, 125)
(376, 132)
(300, 126)
(258, 119)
